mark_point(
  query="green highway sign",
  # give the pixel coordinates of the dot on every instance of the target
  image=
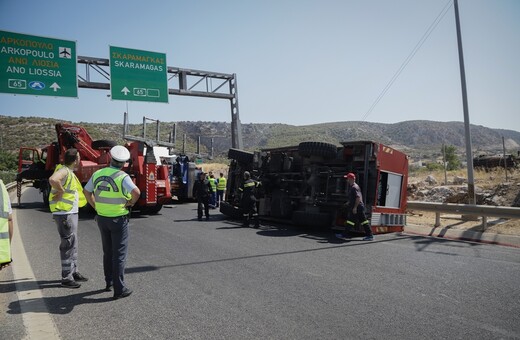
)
(138, 75)
(37, 65)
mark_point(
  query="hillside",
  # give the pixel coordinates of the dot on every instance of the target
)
(418, 138)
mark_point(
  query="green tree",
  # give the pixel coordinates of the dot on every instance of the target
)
(452, 160)
(8, 161)
(433, 166)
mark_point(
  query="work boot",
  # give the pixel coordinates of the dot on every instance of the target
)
(126, 292)
(70, 284)
(78, 277)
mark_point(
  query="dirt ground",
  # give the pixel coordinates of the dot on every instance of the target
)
(494, 225)
(495, 180)
(216, 168)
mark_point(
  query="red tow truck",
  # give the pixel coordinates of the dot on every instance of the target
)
(152, 178)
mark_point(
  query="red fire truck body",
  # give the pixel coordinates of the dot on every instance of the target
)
(305, 184)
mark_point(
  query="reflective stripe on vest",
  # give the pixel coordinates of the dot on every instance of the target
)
(71, 186)
(5, 245)
(212, 184)
(108, 191)
(4, 208)
(221, 185)
(250, 184)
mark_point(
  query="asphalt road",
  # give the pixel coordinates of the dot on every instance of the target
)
(217, 280)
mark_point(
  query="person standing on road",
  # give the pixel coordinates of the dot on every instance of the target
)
(202, 191)
(221, 188)
(248, 201)
(6, 227)
(213, 194)
(65, 199)
(356, 208)
(111, 191)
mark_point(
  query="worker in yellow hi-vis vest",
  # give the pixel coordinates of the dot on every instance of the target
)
(65, 199)
(6, 227)
(221, 188)
(111, 192)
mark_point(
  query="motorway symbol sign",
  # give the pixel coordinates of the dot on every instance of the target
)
(37, 65)
(138, 75)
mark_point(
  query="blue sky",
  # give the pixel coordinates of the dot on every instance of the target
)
(297, 62)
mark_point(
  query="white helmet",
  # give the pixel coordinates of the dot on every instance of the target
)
(120, 153)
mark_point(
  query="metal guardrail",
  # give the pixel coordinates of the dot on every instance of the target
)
(484, 211)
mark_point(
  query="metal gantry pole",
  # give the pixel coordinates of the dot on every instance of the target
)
(469, 154)
(97, 64)
(236, 126)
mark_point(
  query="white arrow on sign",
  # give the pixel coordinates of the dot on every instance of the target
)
(125, 90)
(55, 86)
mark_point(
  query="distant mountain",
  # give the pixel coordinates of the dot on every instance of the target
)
(413, 137)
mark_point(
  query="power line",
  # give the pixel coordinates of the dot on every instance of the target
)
(423, 39)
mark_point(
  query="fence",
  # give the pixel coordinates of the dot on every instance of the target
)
(483, 211)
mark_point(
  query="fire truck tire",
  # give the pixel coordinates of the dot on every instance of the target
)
(230, 210)
(103, 143)
(325, 150)
(307, 219)
(240, 156)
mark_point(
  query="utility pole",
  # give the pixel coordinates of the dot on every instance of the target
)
(211, 152)
(505, 159)
(444, 163)
(469, 154)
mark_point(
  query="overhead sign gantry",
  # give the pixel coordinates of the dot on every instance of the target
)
(46, 66)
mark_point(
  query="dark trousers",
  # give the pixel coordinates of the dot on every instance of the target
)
(68, 229)
(248, 206)
(220, 196)
(359, 218)
(114, 237)
(203, 202)
(213, 199)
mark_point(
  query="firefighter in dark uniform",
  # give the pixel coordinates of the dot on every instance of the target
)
(202, 191)
(356, 208)
(248, 201)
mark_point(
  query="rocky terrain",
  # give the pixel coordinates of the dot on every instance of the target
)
(491, 188)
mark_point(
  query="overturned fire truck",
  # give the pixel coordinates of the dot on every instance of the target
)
(304, 184)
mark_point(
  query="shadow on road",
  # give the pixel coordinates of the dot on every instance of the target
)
(56, 305)
(346, 243)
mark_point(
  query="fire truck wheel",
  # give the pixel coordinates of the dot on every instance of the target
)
(240, 156)
(307, 219)
(230, 211)
(103, 143)
(325, 150)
